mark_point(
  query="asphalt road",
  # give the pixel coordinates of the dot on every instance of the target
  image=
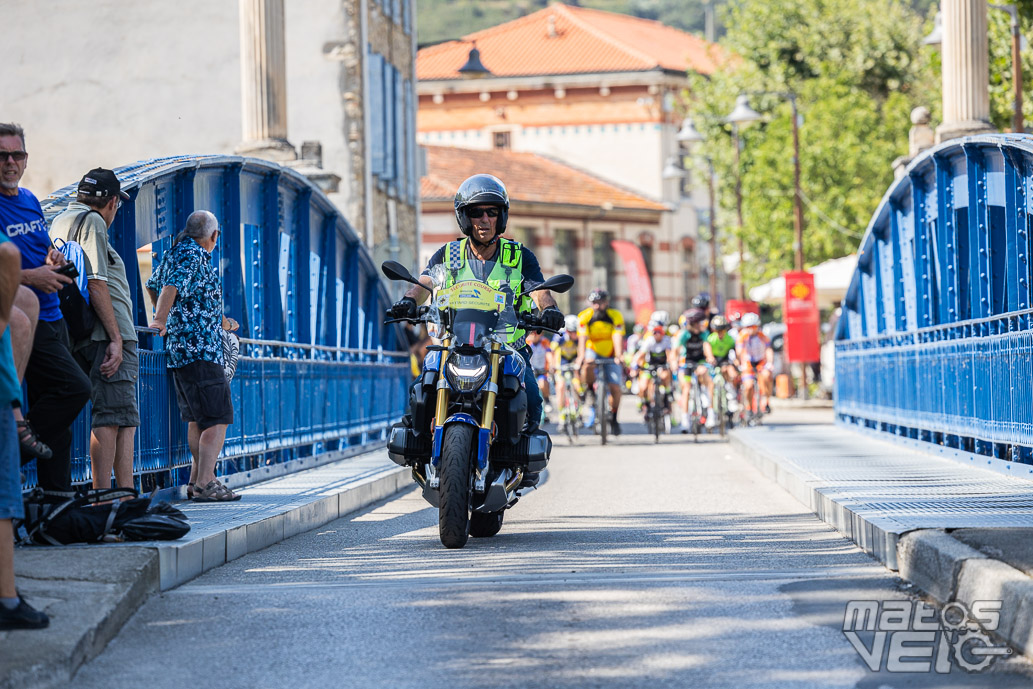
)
(635, 565)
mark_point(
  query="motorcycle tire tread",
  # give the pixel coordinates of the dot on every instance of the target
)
(454, 511)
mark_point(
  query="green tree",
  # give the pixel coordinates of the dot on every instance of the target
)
(857, 69)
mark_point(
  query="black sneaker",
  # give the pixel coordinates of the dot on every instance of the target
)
(615, 427)
(23, 617)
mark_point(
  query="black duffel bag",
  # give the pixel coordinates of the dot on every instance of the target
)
(59, 520)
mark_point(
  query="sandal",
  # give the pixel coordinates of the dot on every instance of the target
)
(215, 492)
(191, 491)
(236, 496)
(31, 446)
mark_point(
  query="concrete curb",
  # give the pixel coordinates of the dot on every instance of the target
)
(873, 538)
(94, 590)
(935, 562)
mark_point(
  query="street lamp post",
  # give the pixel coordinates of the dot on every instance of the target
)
(742, 114)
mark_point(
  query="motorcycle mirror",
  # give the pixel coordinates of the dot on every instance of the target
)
(557, 283)
(396, 271)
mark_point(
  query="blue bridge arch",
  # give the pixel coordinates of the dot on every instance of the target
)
(320, 376)
(934, 343)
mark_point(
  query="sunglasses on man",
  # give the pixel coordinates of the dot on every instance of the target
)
(474, 213)
(16, 156)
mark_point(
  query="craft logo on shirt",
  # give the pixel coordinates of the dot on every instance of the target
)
(20, 228)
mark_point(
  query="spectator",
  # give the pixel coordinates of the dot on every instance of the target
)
(57, 388)
(188, 311)
(109, 356)
(15, 613)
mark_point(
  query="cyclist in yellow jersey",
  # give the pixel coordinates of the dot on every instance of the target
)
(601, 338)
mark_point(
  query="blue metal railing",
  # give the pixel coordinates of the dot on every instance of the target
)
(318, 371)
(935, 342)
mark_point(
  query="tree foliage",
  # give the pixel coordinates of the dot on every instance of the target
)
(857, 68)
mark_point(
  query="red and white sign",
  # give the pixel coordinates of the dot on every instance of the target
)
(803, 326)
(638, 279)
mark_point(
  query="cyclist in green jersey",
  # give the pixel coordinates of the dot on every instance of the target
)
(720, 349)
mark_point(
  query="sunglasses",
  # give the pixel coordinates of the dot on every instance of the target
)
(474, 213)
(16, 156)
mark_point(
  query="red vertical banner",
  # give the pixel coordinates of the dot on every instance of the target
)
(638, 279)
(802, 341)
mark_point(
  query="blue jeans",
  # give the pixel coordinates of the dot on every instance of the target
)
(10, 474)
(534, 395)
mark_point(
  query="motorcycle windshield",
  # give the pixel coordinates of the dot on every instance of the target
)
(471, 311)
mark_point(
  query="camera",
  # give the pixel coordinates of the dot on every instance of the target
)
(68, 270)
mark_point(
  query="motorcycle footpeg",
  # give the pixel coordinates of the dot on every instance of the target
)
(403, 447)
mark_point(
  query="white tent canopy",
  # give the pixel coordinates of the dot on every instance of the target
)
(831, 280)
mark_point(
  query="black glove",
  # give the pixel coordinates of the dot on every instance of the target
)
(551, 318)
(404, 308)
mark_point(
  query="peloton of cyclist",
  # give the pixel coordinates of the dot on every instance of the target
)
(564, 356)
(756, 360)
(653, 351)
(692, 359)
(601, 337)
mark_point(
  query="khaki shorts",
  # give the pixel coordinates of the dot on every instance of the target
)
(114, 399)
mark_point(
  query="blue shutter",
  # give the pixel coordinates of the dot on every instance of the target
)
(411, 173)
(407, 16)
(400, 129)
(375, 137)
(389, 121)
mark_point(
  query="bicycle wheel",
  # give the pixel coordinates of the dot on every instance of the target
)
(720, 402)
(601, 411)
(697, 409)
(657, 411)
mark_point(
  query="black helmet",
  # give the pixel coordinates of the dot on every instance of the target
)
(695, 315)
(701, 301)
(482, 189)
(597, 295)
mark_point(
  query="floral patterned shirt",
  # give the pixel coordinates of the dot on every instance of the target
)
(195, 322)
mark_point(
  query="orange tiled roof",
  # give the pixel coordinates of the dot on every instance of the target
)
(528, 177)
(561, 39)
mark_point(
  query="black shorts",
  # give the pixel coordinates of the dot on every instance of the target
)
(203, 394)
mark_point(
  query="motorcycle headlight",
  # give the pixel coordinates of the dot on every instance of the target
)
(466, 372)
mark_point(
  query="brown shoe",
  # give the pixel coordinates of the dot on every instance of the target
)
(214, 492)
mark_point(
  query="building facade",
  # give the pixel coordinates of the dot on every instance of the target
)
(165, 79)
(596, 90)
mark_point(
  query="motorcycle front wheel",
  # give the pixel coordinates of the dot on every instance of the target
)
(457, 448)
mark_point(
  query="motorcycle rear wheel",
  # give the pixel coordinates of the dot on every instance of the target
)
(457, 447)
(485, 524)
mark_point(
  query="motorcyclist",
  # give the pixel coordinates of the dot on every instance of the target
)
(482, 211)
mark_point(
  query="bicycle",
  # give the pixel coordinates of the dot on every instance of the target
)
(696, 409)
(601, 391)
(750, 412)
(571, 411)
(719, 405)
(658, 416)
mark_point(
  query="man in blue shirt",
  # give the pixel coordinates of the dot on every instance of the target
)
(57, 387)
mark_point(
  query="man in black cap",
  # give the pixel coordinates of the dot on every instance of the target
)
(57, 388)
(108, 354)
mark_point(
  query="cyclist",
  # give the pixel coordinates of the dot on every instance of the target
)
(720, 351)
(540, 362)
(756, 360)
(692, 361)
(654, 350)
(601, 336)
(564, 356)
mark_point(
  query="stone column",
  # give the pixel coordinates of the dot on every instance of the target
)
(966, 69)
(263, 70)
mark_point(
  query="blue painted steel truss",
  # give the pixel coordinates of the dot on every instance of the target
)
(935, 342)
(318, 370)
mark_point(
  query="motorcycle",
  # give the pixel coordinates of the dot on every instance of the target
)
(463, 438)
